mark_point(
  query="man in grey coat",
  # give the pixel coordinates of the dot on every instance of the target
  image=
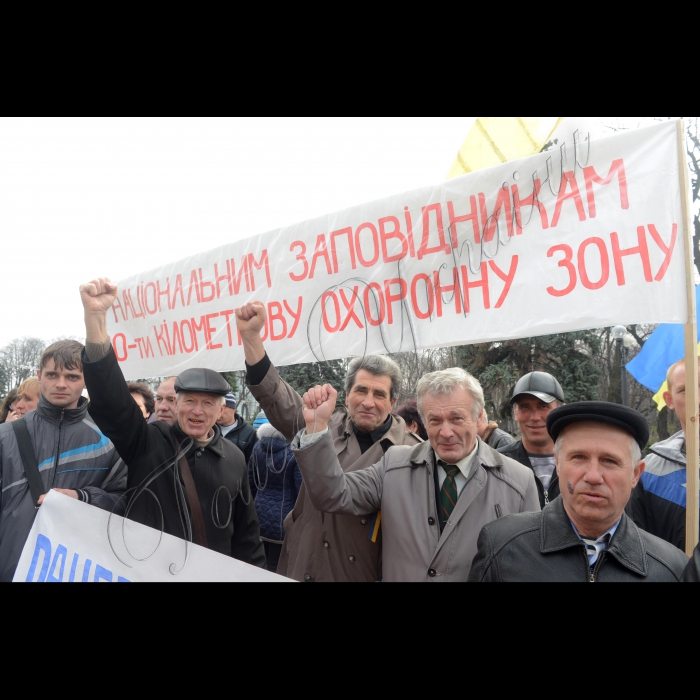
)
(434, 498)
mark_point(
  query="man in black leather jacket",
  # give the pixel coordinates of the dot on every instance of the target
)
(584, 535)
(534, 398)
(692, 573)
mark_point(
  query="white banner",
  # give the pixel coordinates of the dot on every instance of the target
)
(69, 544)
(583, 237)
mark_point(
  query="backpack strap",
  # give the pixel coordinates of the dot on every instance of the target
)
(29, 461)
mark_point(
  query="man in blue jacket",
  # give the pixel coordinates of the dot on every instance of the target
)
(74, 457)
(658, 503)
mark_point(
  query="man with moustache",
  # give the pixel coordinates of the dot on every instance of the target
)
(535, 397)
(585, 535)
(322, 548)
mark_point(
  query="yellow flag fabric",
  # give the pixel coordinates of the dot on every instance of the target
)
(659, 398)
(497, 140)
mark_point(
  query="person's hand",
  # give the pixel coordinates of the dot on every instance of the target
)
(250, 319)
(319, 406)
(12, 417)
(70, 494)
(98, 296)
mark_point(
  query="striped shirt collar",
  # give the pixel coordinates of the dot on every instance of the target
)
(595, 548)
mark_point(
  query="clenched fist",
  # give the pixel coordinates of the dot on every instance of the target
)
(319, 406)
(250, 319)
(98, 296)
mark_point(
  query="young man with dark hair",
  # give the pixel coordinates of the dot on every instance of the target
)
(74, 457)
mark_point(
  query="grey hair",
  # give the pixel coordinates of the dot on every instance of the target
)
(635, 450)
(223, 398)
(379, 366)
(447, 382)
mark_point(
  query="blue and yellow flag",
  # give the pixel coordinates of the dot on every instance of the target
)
(665, 347)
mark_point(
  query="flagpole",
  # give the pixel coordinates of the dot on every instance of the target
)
(691, 357)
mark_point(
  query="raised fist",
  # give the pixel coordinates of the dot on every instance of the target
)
(98, 296)
(319, 406)
(251, 318)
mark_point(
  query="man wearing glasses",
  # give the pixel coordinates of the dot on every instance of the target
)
(535, 397)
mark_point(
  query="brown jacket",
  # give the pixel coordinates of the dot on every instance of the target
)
(319, 547)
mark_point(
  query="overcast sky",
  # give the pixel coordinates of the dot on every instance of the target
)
(82, 197)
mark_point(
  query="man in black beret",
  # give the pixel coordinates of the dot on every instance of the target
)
(584, 535)
(187, 468)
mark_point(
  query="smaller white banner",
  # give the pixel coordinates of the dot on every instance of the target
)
(72, 542)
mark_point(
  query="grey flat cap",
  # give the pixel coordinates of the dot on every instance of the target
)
(202, 381)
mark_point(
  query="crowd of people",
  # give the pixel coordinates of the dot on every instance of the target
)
(429, 491)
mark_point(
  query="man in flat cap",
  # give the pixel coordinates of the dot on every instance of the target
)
(584, 535)
(188, 467)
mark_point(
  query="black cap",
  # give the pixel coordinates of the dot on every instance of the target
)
(621, 417)
(540, 385)
(202, 381)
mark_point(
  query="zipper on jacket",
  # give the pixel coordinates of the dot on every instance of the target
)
(58, 448)
(594, 574)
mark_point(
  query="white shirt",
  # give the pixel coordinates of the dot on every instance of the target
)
(465, 467)
(226, 431)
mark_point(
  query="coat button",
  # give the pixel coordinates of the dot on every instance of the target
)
(432, 573)
(365, 521)
(308, 579)
(198, 455)
(431, 522)
(352, 560)
(326, 545)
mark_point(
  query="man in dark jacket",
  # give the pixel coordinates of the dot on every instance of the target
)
(692, 573)
(74, 457)
(491, 434)
(217, 500)
(658, 503)
(535, 397)
(236, 430)
(583, 536)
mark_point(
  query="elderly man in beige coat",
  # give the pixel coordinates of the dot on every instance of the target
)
(435, 498)
(324, 548)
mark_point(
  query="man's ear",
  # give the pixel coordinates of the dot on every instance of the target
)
(393, 404)
(38, 374)
(668, 398)
(638, 471)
